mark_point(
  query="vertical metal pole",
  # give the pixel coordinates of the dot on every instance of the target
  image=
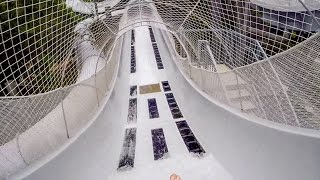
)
(190, 71)
(215, 65)
(95, 79)
(285, 92)
(65, 120)
(260, 102)
(274, 94)
(199, 53)
(19, 150)
(239, 90)
(97, 91)
(201, 79)
(311, 14)
(185, 19)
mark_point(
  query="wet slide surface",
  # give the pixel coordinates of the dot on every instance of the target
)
(155, 124)
(155, 140)
(157, 137)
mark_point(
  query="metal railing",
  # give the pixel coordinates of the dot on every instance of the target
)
(264, 88)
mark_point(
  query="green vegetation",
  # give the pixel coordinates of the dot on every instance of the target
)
(36, 40)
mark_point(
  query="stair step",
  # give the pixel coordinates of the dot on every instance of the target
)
(243, 105)
(250, 111)
(236, 87)
(240, 98)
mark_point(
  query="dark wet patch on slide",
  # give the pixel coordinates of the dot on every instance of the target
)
(153, 108)
(132, 110)
(165, 85)
(133, 91)
(128, 150)
(133, 60)
(153, 40)
(174, 108)
(132, 37)
(160, 149)
(157, 56)
(188, 137)
(155, 49)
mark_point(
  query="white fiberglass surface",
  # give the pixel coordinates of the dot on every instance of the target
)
(179, 160)
(235, 148)
(96, 153)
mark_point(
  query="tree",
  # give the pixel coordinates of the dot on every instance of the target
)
(36, 36)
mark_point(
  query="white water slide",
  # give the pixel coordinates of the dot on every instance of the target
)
(144, 89)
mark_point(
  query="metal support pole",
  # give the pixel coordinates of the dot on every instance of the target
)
(19, 150)
(285, 92)
(185, 19)
(274, 94)
(201, 83)
(311, 14)
(98, 103)
(65, 120)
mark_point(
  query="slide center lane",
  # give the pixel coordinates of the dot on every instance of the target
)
(162, 146)
(147, 70)
(154, 147)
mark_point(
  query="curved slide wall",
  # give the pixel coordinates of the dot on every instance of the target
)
(248, 150)
(69, 119)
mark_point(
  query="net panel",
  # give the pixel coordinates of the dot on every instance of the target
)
(256, 56)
